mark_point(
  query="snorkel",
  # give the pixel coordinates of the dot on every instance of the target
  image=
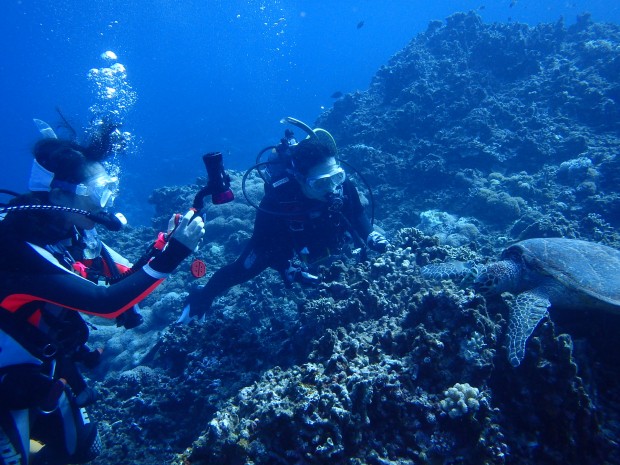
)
(318, 134)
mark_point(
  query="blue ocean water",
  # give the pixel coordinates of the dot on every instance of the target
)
(209, 75)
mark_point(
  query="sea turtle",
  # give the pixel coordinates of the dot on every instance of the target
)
(541, 272)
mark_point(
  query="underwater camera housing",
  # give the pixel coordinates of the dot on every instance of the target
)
(218, 182)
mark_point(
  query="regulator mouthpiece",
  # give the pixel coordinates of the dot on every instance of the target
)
(111, 222)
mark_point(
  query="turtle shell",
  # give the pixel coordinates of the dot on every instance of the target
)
(579, 265)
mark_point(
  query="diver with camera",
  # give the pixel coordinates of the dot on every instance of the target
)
(54, 268)
(309, 212)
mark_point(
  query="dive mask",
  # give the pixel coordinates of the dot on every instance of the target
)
(327, 183)
(102, 189)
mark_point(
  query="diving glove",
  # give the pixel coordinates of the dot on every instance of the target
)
(195, 308)
(377, 242)
(130, 318)
(184, 319)
(297, 272)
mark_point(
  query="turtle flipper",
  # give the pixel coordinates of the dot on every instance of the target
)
(525, 313)
(450, 270)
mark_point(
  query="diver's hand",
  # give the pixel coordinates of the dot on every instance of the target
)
(195, 308)
(172, 223)
(189, 232)
(377, 242)
(187, 316)
(178, 246)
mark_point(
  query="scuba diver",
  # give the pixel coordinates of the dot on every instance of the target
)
(308, 210)
(53, 267)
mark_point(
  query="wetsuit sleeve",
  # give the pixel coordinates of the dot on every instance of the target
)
(39, 277)
(355, 211)
(173, 254)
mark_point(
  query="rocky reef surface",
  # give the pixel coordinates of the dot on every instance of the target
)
(522, 122)
(474, 136)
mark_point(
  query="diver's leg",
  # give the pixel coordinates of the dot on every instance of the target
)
(14, 437)
(68, 433)
(249, 265)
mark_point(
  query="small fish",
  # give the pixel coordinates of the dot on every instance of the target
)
(337, 94)
(512, 3)
(482, 7)
(360, 24)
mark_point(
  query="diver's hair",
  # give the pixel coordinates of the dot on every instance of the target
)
(66, 159)
(69, 160)
(309, 153)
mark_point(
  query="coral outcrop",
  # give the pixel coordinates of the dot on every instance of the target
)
(506, 115)
(473, 136)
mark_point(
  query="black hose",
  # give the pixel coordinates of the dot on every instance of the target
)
(109, 261)
(258, 207)
(117, 276)
(260, 154)
(108, 220)
(258, 158)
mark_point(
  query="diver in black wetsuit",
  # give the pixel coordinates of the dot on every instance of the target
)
(308, 209)
(51, 262)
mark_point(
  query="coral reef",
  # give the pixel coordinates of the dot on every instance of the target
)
(447, 228)
(505, 115)
(479, 135)
(461, 399)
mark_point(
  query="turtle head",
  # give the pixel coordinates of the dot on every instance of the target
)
(496, 277)
(484, 280)
(470, 274)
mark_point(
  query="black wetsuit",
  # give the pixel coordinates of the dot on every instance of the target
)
(44, 285)
(289, 225)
